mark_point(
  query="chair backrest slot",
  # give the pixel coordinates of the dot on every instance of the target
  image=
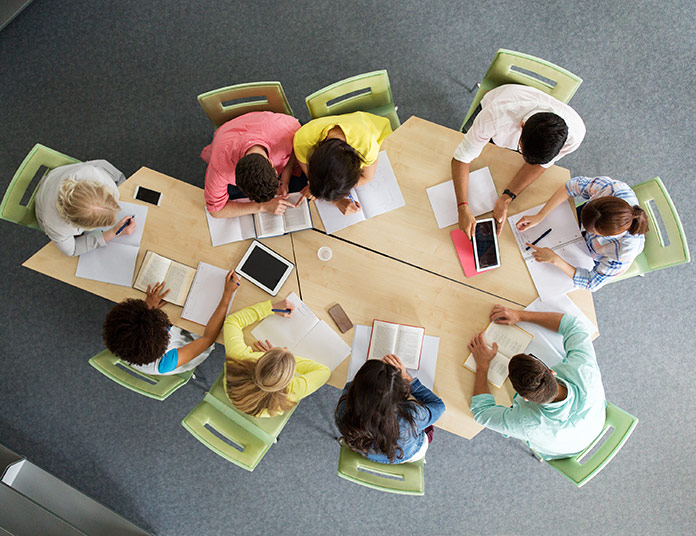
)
(533, 76)
(381, 474)
(135, 373)
(596, 445)
(33, 184)
(658, 224)
(224, 438)
(349, 96)
(233, 103)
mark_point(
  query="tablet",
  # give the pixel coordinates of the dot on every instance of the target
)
(485, 242)
(264, 267)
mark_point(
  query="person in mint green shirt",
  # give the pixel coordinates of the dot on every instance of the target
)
(559, 412)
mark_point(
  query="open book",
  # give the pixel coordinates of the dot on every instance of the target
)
(156, 268)
(261, 225)
(401, 340)
(304, 335)
(482, 197)
(380, 195)
(565, 239)
(511, 340)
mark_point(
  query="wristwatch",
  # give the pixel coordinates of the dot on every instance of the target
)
(508, 192)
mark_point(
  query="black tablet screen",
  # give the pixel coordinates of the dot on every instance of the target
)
(265, 268)
(485, 244)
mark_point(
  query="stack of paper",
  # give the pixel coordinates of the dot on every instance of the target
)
(115, 263)
(482, 197)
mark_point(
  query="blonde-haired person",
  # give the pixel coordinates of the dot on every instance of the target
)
(77, 198)
(265, 381)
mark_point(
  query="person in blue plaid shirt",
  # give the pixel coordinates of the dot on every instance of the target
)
(614, 225)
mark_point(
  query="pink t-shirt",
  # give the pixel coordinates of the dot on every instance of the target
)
(274, 132)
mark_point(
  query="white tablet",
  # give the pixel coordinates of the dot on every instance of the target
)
(264, 267)
(486, 254)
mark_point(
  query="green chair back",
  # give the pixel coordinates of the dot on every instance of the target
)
(580, 470)
(368, 92)
(402, 478)
(11, 208)
(660, 251)
(218, 104)
(158, 387)
(236, 436)
(510, 67)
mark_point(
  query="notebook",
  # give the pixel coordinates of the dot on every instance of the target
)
(511, 340)
(482, 197)
(465, 251)
(565, 239)
(205, 293)
(380, 195)
(402, 340)
(304, 335)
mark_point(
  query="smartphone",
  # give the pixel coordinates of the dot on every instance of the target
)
(341, 318)
(147, 195)
(485, 241)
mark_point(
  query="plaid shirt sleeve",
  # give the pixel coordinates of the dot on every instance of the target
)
(603, 269)
(588, 188)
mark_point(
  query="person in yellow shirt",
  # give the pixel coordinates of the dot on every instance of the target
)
(339, 152)
(265, 381)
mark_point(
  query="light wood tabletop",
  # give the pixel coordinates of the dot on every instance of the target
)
(176, 229)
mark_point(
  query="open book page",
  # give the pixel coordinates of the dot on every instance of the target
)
(482, 197)
(226, 230)
(287, 331)
(179, 278)
(549, 280)
(408, 345)
(323, 345)
(140, 213)
(268, 225)
(382, 193)
(428, 363)
(297, 218)
(152, 271)
(383, 339)
(113, 264)
(562, 222)
(205, 293)
(333, 219)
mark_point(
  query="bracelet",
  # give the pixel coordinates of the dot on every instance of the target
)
(508, 192)
(462, 203)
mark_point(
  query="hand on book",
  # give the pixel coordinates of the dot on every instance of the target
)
(544, 254)
(262, 346)
(155, 295)
(527, 222)
(277, 205)
(483, 354)
(503, 315)
(347, 206)
(394, 361)
(305, 193)
(281, 307)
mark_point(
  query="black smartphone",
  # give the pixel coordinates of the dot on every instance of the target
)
(147, 195)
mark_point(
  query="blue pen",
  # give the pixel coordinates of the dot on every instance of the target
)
(352, 200)
(537, 240)
(281, 311)
(125, 225)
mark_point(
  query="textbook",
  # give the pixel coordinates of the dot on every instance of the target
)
(260, 225)
(511, 340)
(380, 195)
(177, 276)
(482, 197)
(402, 340)
(564, 238)
(304, 335)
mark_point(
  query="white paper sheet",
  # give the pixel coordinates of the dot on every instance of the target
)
(226, 230)
(549, 280)
(482, 197)
(281, 331)
(140, 212)
(205, 293)
(323, 345)
(114, 264)
(428, 364)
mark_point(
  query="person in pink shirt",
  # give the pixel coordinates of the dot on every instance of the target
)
(251, 156)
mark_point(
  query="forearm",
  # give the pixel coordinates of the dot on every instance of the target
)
(567, 268)
(287, 171)
(558, 198)
(546, 320)
(212, 330)
(460, 178)
(525, 176)
(233, 209)
(481, 381)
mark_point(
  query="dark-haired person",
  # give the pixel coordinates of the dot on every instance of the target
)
(139, 332)
(386, 415)
(251, 157)
(523, 119)
(339, 152)
(614, 224)
(558, 412)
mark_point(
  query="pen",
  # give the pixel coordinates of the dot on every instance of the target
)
(537, 240)
(125, 225)
(351, 199)
(281, 311)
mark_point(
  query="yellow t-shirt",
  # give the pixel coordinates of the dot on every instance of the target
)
(364, 132)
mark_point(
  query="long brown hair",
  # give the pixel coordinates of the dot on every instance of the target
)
(611, 215)
(257, 385)
(368, 414)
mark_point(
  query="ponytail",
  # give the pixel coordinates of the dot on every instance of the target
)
(639, 225)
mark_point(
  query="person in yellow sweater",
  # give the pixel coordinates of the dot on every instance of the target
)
(339, 152)
(265, 381)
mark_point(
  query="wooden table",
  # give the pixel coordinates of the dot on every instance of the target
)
(176, 229)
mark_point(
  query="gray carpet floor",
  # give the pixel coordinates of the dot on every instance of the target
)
(119, 80)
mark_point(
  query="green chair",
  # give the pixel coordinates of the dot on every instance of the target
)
(236, 436)
(368, 92)
(510, 67)
(402, 478)
(158, 387)
(579, 471)
(660, 251)
(11, 208)
(251, 97)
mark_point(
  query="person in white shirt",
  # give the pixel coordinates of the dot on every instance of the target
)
(77, 198)
(524, 119)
